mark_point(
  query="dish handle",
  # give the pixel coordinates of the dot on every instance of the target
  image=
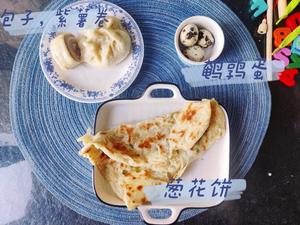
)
(144, 211)
(175, 90)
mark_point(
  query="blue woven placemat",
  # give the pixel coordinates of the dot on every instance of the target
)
(47, 124)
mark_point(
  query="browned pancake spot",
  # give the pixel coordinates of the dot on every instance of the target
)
(144, 200)
(189, 114)
(147, 143)
(140, 187)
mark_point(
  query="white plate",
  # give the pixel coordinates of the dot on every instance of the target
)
(85, 83)
(214, 164)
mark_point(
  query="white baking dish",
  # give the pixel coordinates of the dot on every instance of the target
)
(214, 164)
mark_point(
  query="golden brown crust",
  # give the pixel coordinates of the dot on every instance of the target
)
(133, 156)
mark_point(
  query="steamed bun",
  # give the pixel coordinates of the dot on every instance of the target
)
(105, 46)
(65, 51)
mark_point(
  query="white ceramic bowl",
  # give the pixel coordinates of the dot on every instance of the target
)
(211, 53)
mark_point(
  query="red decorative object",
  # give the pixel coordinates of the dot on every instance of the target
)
(280, 34)
(293, 21)
(288, 77)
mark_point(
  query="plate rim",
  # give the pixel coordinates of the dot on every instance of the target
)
(94, 130)
(121, 90)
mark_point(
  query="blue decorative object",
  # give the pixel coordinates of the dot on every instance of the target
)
(46, 124)
(296, 46)
(258, 7)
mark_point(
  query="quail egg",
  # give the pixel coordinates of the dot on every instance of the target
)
(189, 35)
(206, 39)
(195, 53)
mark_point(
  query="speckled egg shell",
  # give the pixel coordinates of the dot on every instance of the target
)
(195, 53)
(189, 35)
(206, 39)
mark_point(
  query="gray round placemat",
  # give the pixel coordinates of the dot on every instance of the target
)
(47, 124)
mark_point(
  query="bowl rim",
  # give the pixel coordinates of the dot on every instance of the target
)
(207, 20)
